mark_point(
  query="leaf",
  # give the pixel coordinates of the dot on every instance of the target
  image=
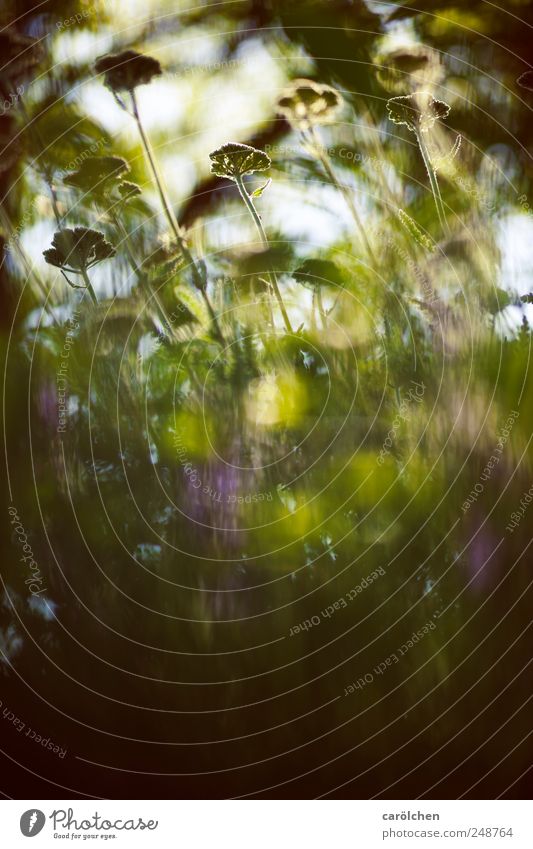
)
(439, 161)
(66, 135)
(78, 249)
(418, 111)
(96, 173)
(234, 160)
(316, 272)
(128, 190)
(413, 229)
(498, 299)
(258, 192)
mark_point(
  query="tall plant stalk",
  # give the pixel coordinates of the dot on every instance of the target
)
(434, 183)
(313, 142)
(261, 230)
(199, 280)
(89, 286)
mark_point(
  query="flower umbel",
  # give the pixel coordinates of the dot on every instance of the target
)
(418, 111)
(305, 103)
(78, 249)
(234, 160)
(126, 70)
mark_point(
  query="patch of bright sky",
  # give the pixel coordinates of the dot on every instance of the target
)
(77, 46)
(515, 237)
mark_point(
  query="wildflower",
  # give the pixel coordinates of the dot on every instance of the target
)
(305, 103)
(78, 249)
(418, 111)
(234, 160)
(405, 69)
(96, 173)
(126, 70)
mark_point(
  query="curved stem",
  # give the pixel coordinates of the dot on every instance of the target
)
(324, 159)
(165, 203)
(433, 182)
(199, 281)
(261, 230)
(89, 286)
(320, 305)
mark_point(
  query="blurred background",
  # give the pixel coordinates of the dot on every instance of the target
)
(267, 556)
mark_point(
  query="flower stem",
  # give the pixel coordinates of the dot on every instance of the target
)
(323, 157)
(89, 286)
(199, 281)
(261, 230)
(433, 182)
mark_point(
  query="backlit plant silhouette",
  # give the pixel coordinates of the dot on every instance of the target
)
(419, 112)
(76, 251)
(123, 73)
(307, 104)
(234, 161)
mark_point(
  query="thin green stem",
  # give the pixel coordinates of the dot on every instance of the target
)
(141, 277)
(199, 281)
(433, 182)
(213, 316)
(320, 305)
(324, 159)
(89, 286)
(261, 230)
